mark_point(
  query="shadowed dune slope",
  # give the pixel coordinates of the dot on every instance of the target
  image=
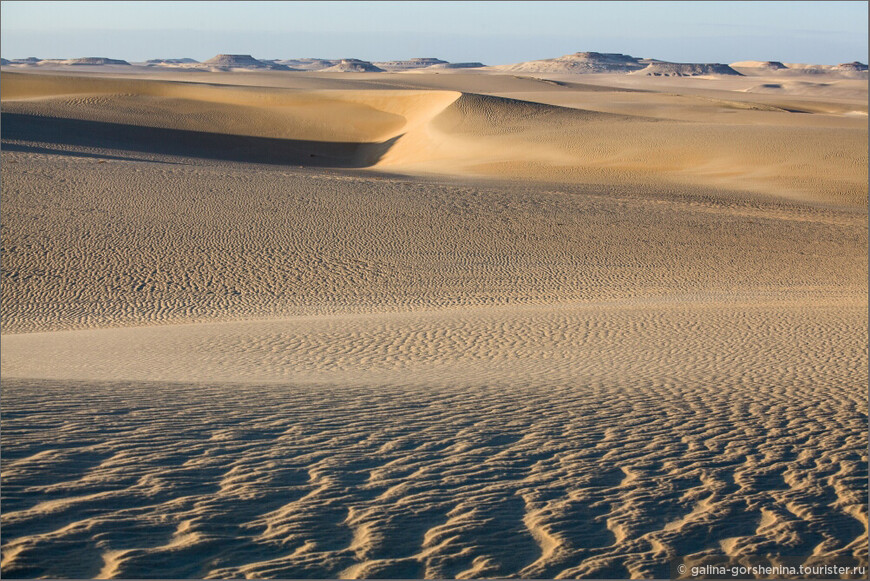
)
(79, 133)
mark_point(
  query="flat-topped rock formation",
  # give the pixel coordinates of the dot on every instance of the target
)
(665, 69)
(242, 61)
(813, 69)
(181, 61)
(580, 62)
(414, 63)
(308, 64)
(472, 65)
(233, 60)
(766, 65)
(852, 66)
(96, 60)
(353, 66)
(89, 61)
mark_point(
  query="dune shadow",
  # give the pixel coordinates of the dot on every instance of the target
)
(23, 148)
(198, 144)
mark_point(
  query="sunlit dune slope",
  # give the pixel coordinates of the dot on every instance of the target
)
(497, 136)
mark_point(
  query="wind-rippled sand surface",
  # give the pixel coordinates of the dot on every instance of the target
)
(520, 477)
(214, 367)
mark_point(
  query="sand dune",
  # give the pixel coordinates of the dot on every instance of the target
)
(320, 116)
(270, 324)
(440, 132)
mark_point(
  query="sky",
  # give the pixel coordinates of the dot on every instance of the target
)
(489, 32)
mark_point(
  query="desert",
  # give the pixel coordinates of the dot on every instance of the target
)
(334, 318)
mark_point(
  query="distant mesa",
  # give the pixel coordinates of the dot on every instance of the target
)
(233, 60)
(181, 61)
(353, 66)
(308, 64)
(768, 65)
(852, 66)
(242, 61)
(598, 62)
(96, 60)
(457, 66)
(579, 62)
(853, 69)
(230, 62)
(29, 61)
(665, 69)
(276, 65)
(414, 63)
(575, 63)
(88, 61)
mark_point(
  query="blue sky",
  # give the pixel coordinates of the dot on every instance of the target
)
(491, 32)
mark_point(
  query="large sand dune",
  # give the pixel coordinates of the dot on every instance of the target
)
(301, 324)
(439, 132)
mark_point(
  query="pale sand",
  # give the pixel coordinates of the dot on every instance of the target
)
(651, 342)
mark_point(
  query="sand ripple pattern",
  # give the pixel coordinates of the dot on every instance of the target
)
(573, 442)
(145, 242)
(557, 480)
(732, 345)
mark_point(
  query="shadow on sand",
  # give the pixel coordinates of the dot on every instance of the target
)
(199, 144)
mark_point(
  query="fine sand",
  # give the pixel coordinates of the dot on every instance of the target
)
(457, 324)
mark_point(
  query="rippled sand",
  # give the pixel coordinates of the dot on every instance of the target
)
(221, 363)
